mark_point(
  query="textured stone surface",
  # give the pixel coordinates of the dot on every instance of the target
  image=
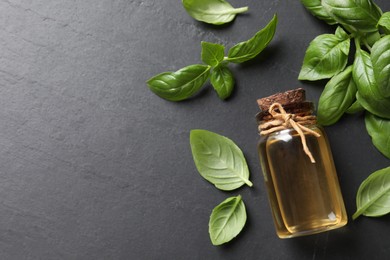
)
(95, 166)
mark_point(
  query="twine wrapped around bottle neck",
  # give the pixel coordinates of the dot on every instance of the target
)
(283, 120)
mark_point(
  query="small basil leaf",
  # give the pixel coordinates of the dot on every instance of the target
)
(249, 49)
(368, 94)
(179, 85)
(219, 160)
(227, 220)
(384, 21)
(380, 57)
(212, 53)
(337, 96)
(373, 196)
(223, 81)
(315, 8)
(372, 37)
(212, 11)
(360, 15)
(379, 129)
(326, 56)
(355, 108)
(341, 34)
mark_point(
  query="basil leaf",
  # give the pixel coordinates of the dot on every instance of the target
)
(337, 96)
(372, 37)
(326, 55)
(368, 94)
(315, 8)
(219, 160)
(223, 81)
(212, 11)
(380, 57)
(227, 220)
(354, 108)
(249, 49)
(212, 53)
(360, 15)
(179, 85)
(384, 21)
(379, 129)
(373, 196)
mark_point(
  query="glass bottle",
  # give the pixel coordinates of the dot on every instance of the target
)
(304, 196)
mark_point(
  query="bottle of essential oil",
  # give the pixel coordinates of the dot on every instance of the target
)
(298, 167)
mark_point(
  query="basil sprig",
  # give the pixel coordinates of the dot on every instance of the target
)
(184, 83)
(212, 11)
(364, 85)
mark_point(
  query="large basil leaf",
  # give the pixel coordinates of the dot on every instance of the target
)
(379, 130)
(212, 53)
(384, 21)
(179, 85)
(337, 96)
(222, 80)
(249, 49)
(360, 15)
(212, 11)
(227, 220)
(315, 8)
(368, 94)
(380, 57)
(373, 196)
(219, 160)
(326, 55)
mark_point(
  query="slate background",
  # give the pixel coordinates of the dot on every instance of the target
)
(95, 166)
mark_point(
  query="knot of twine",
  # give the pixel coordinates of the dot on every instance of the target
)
(283, 120)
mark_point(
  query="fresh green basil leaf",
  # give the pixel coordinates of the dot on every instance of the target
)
(384, 21)
(326, 56)
(373, 196)
(315, 8)
(372, 38)
(337, 96)
(368, 94)
(227, 220)
(212, 53)
(219, 160)
(379, 129)
(355, 108)
(179, 85)
(360, 15)
(380, 57)
(249, 49)
(212, 11)
(341, 34)
(222, 80)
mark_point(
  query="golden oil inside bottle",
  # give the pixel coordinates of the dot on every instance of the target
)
(305, 197)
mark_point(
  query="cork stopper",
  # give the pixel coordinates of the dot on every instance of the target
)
(284, 98)
(293, 101)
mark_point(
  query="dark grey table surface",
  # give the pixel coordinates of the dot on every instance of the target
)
(95, 166)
